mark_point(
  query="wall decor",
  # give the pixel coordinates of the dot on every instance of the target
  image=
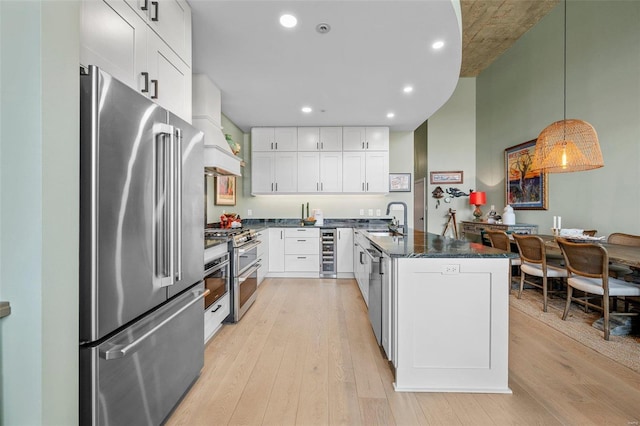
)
(445, 177)
(524, 189)
(225, 194)
(399, 182)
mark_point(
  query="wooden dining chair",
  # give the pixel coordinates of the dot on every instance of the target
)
(588, 266)
(501, 241)
(534, 263)
(615, 270)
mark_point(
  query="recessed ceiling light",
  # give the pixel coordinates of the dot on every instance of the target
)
(288, 21)
(438, 44)
(390, 115)
(306, 109)
(407, 89)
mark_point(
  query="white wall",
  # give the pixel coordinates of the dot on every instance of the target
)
(39, 220)
(451, 146)
(333, 206)
(522, 92)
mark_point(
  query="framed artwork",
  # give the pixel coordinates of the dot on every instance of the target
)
(225, 194)
(399, 182)
(445, 177)
(524, 189)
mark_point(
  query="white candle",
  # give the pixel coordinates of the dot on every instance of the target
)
(555, 222)
(559, 222)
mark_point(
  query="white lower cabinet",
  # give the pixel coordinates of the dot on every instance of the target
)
(276, 250)
(361, 265)
(344, 252)
(214, 315)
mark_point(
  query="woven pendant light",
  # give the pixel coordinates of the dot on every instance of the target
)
(569, 145)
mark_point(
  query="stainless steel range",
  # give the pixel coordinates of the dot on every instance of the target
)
(244, 264)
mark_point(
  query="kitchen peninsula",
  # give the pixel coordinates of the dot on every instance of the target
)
(449, 314)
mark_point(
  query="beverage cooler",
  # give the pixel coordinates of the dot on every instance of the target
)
(328, 257)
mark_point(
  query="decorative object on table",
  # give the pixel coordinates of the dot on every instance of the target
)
(451, 222)
(230, 220)
(569, 145)
(225, 194)
(478, 198)
(445, 177)
(491, 216)
(455, 192)
(399, 182)
(508, 215)
(235, 147)
(307, 220)
(525, 189)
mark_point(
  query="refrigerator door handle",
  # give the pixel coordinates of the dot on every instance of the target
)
(166, 244)
(178, 186)
(120, 351)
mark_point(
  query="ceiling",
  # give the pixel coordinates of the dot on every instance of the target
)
(354, 74)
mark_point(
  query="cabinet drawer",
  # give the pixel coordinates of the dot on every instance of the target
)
(212, 320)
(302, 232)
(301, 263)
(302, 246)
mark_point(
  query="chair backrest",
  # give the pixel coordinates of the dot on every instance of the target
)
(586, 259)
(624, 239)
(590, 232)
(531, 248)
(499, 240)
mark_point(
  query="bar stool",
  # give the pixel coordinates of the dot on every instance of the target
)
(588, 266)
(534, 263)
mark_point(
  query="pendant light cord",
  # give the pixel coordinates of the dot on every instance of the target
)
(564, 65)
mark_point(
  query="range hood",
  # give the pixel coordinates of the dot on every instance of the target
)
(219, 160)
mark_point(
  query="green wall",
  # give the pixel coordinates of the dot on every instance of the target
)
(522, 92)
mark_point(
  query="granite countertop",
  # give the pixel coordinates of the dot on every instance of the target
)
(371, 223)
(418, 244)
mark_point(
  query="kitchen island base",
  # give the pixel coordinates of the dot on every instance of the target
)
(451, 324)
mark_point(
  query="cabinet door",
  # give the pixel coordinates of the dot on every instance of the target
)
(285, 138)
(276, 250)
(308, 171)
(344, 250)
(353, 171)
(330, 171)
(262, 138)
(286, 172)
(170, 20)
(262, 173)
(377, 171)
(353, 138)
(308, 138)
(331, 138)
(377, 138)
(170, 78)
(263, 254)
(114, 38)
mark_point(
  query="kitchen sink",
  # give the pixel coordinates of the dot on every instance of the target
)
(384, 234)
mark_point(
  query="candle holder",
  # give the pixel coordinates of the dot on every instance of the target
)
(555, 231)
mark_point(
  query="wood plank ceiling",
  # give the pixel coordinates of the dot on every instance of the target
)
(490, 27)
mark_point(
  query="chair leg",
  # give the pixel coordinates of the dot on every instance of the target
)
(544, 294)
(568, 304)
(521, 284)
(605, 308)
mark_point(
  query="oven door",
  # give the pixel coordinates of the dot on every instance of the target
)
(216, 279)
(246, 287)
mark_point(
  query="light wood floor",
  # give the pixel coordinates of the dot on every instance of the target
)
(305, 354)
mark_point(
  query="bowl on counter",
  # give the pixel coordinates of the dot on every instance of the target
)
(309, 222)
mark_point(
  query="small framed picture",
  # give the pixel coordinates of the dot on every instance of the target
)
(399, 182)
(446, 178)
(225, 194)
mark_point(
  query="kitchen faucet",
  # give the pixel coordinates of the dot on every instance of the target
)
(404, 223)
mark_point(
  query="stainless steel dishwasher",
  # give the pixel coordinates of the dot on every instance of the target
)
(375, 292)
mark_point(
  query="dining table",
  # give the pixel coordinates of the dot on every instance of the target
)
(618, 253)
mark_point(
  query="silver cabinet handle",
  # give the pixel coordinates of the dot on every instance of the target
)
(145, 89)
(362, 186)
(155, 91)
(121, 352)
(217, 308)
(146, 5)
(157, 9)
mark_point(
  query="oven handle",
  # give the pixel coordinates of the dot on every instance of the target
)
(248, 247)
(216, 268)
(243, 278)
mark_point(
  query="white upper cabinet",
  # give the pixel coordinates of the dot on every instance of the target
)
(125, 43)
(365, 138)
(319, 172)
(319, 138)
(274, 172)
(274, 139)
(171, 20)
(365, 172)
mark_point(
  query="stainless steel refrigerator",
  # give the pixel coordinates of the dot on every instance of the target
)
(141, 251)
